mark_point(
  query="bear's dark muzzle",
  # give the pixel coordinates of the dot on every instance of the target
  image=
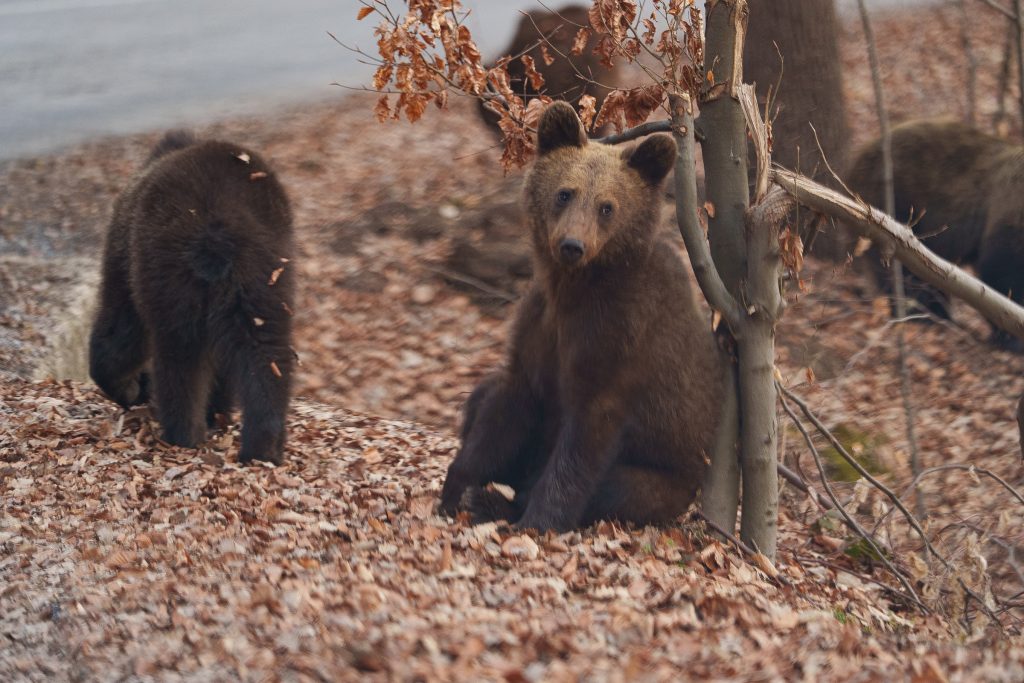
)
(571, 251)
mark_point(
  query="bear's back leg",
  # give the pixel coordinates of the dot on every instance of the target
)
(117, 342)
(642, 495)
(182, 378)
(1001, 267)
(253, 354)
(502, 438)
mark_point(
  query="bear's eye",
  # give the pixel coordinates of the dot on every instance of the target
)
(606, 209)
(563, 197)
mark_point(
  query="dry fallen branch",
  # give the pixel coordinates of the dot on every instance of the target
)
(876, 225)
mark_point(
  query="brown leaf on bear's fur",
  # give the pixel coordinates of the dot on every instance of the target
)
(275, 275)
(545, 55)
(709, 208)
(588, 110)
(578, 45)
(536, 80)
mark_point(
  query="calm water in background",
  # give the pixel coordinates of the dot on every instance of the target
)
(75, 69)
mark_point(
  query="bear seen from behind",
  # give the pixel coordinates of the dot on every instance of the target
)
(196, 293)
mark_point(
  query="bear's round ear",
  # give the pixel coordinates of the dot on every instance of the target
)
(559, 127)
(654, 157)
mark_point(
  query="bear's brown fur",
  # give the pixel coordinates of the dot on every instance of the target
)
(562, 78)
(608, 403)
(962, 189)
(196, 291)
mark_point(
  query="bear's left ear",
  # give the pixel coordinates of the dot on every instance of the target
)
(559, 127)
(654, 157)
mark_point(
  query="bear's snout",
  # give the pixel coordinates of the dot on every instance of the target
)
(570, 250)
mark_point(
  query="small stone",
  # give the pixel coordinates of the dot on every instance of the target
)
(423, 294)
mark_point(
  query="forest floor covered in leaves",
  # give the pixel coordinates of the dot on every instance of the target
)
(123, 558)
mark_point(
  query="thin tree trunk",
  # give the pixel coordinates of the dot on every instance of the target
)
(720, 492)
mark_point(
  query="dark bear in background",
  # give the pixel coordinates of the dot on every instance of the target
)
(562, 79)
(608, 403)
(197, 285)
(962, 188)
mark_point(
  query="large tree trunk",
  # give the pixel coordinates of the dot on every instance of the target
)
(811, 90)
(810, 93)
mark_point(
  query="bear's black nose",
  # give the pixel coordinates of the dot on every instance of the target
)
(571, 250)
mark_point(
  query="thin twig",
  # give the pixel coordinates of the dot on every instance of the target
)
(473, 282)
(914, 523)
(1002, 10)
(746, 549)
(850, 521)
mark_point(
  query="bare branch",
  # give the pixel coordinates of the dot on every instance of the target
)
(637, 132)
(847, 517)
(1002, 10)
(697, 248)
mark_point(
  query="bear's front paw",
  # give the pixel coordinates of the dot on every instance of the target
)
(488, 505)
(455, 485)
(543, 522)
(247, 455)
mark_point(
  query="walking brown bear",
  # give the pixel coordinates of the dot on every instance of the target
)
(569, 76)
(195, 298)
(962, 188)
(608, 402)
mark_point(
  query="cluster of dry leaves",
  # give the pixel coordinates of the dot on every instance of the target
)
(428, 52)
(122, 558)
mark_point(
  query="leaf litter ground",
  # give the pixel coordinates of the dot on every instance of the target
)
(124, 558)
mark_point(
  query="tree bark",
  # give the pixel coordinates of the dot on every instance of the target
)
(881, 228)
(811, 87)
(725, 151)
(720, 492)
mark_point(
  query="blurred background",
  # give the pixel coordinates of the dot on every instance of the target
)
(74, 69)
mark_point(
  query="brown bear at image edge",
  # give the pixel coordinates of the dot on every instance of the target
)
(961, 189)
(569, 76)
(196, 293)
(608, 401)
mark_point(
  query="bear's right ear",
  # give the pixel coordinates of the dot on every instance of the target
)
(654, 157)
(559, 127)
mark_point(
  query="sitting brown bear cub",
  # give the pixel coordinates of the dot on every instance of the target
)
(609, 400)
(197, 284)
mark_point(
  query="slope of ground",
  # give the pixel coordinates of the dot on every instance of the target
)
(124, 558)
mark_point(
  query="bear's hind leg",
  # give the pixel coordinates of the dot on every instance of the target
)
(1001, 267)
(502, 438)
(258, 363)
(117, 345)
(641, 495)
(182, 379)
(222, 396)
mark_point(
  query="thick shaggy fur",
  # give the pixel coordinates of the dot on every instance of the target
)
(962, 188)
(608, 402)
(562, 78)
(186, 311)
